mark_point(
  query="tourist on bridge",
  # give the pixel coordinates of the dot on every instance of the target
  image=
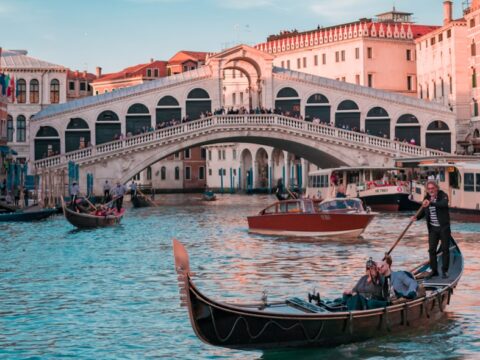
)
(118, 194)
(106, 191)
(435, 211)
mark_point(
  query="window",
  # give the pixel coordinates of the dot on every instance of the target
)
(71, 85)
(475, 108)
(304, 62)
(155, 73)
(434, 90)
(21, 128)
(441, 87)
(188, 174)
(209, 172)
(473, 49)
(185, 68)
(223, 155)
(420, 90)
(187, 154)
(344, 78)
(409, 83)
(469, 182)
(21, 91)
(201, 173)
(370, 80)
(315, 60)
(432, 41)
(298, 63)
(149, 72)
(83, 86)
(449, 33)
(55, 91)
(282, 64)
(34, 91)
(440, 37)
(149, 173)
(324, 59)
(241, 97)
(234, 154)
(409, 55)
(450, 84)
(9, 128)
(210, 155)
(288, 64)
(477, 180)
(177, 155)
(343, 55)
(163, 173)
(474, 78)
(357, 53)
(472, 22)
(234, 98)
(357, 79)
(219, 154)
(177, 173)
(369, 53)
(337, 56)
(234, 74)
(203, 153)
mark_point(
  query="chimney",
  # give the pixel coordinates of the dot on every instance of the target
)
(447, 11)
(98, 71)
(152, 60)
(75, 73)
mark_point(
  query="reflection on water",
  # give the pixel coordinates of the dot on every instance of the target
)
(110, 293)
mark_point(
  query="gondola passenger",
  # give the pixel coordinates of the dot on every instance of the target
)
(367, 293)
(396, 284)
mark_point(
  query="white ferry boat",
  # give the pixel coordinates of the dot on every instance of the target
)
(457, 176)
(380, 188)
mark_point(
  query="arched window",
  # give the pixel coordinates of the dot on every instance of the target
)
(9, 128)
(138, 119)
(438, 136)
(21, 129)
(107, 127)
(408, 128)
(377, 122)
(137, 109)
(287, 102)
(348, 116)
(287, 92)
(47, 142)
(149, 173)
(54, 91)
(198, 102)
(318, 107)
(34, 91)
(163, 173)
(21, 91)
(77, 135)
(168, 109)
(177, 173)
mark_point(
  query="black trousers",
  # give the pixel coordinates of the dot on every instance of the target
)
(119, 203)
(435, 235)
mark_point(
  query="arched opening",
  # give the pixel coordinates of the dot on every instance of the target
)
(287, 102)
(318, 108)
(54, 91)
(198, 102)
(77, 135)
(347, 116)
(138, 120)
(34, 91)
(408, 128)
(261, 171)
(47, 142)
(377, 122)
(21, 91)
(107, 127)
(21, 129)
(246, 170)
(168, 109)
(10, 128)
(163, 173)
(438, 136)
(278, 171)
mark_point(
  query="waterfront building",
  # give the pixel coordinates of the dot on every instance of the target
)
(378, 53)
(130, 76)
(185, 60)
(79, 84)
(472, 19)
(442, 69)
(4, 150)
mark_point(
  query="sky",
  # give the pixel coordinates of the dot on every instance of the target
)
(114, 34)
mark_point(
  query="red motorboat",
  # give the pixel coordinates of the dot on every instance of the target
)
(343, 217)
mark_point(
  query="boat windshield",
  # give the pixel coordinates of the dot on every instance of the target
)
(341, 204)
(290, 207)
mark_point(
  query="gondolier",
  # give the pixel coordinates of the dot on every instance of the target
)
(133, 190)
(435, 210)
(74, 192)
(118, 193)
(106, 191)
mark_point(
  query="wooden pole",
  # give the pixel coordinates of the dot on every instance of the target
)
(146, 198)
(404, 231)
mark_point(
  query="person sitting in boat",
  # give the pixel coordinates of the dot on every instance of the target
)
(100, 211)
(367, 293)
(341, 193)
(396, 284)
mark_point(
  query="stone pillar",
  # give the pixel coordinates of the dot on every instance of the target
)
(304, 173)
(286, 169)
(254, 174)
(270, 174)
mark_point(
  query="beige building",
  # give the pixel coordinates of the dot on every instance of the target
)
(377, 53)
(442, 68)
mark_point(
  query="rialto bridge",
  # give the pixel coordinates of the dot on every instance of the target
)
(352, 125)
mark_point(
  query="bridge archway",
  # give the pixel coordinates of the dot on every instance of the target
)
(246, 168)
(77, 135)
(278, 162)
(261, 169)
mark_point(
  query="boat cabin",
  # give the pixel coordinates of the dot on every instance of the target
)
(309, 206)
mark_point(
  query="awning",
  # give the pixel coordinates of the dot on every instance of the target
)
(5, 150)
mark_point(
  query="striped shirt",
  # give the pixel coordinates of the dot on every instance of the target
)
(433, 216)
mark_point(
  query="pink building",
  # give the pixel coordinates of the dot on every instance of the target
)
(472, 18)
(378, 53)
(442, 70)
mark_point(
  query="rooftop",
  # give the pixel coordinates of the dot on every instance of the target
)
(134, 71)
(19, 60)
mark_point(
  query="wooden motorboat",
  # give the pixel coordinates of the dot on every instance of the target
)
(140, 201)
(306, 217)
(88, 221)
(28, 215)
(295, 322)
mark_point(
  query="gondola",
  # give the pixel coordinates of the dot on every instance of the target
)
(209, 196)
(296, 322)
(27, 215)
(88, 221)
(139, 201)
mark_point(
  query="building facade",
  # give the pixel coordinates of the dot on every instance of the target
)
(377, 53)
(4, 150)
(79, 84)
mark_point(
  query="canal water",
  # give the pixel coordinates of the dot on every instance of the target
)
(112, 293)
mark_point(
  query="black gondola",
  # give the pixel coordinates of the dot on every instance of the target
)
(298, 323)
(139, 201)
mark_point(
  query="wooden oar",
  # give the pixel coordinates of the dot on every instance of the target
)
(111, 201)
(404, 231)
(146, 198)
(290, 193)
(90, 203)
